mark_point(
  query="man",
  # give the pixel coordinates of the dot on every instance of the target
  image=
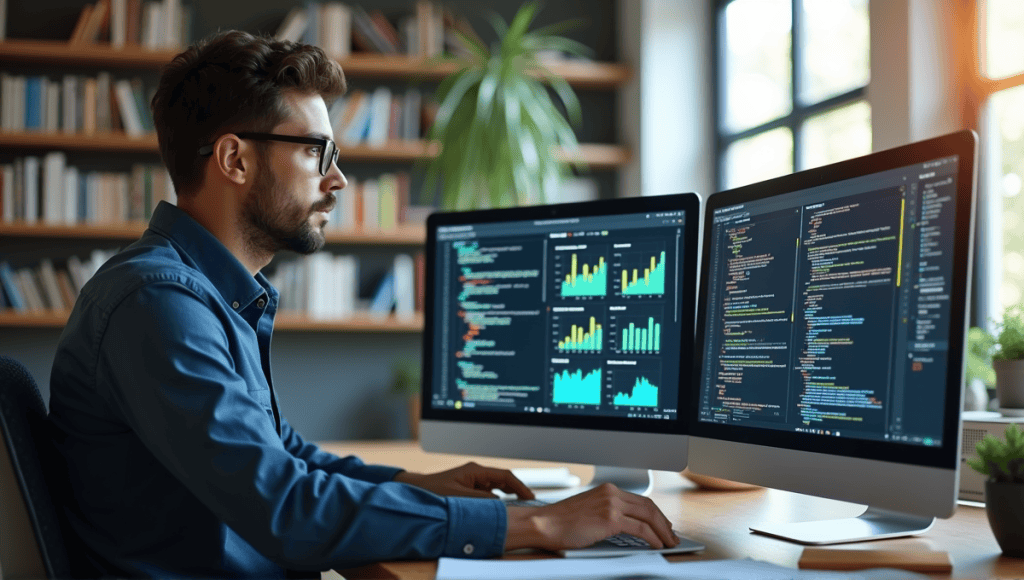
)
(162, 404)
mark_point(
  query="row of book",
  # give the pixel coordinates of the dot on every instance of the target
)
(378, 117)
(339, 28)
(324, 286)
(379, 204)
(46, 286)
(321, 286)
(74, 104)
(151, 24)
(49, 190)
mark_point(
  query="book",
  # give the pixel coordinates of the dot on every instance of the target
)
(405, 287)
(357, 128)
(384, 297)
(89, 106)
(30, 290)
(77, 272)
(387, 202)
(51, 111)
(50, 286)
(380, 115)
(371, 205)
(128, 108)
(118, 23)
(99, 21)
(54, 164)
(34, 103)
(12, 290)
(7, 191)
(67, 290)
(293, 26)
(336, 30)
(69, 96)
(31, 189)
(70, 195)
(80, 25)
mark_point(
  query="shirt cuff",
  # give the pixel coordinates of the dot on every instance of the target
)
(476, 528)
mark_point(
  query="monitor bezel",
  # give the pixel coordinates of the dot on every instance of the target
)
(962, 144)
(689, 203)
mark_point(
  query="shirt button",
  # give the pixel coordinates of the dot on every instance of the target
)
(467, 549)
(234, 305)
(261, 303)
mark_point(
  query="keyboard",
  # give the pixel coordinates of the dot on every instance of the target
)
(617, 545)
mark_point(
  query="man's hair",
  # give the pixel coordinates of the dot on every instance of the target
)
(232, 82)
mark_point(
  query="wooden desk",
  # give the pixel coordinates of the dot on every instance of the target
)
(720, 520)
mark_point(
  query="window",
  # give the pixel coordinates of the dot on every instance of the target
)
(790, 81)
(1001, 84)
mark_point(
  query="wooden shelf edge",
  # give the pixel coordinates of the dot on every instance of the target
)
(594, 155)
(593, 75)
(402, 235)
(283, 322)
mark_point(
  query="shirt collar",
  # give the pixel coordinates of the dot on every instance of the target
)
(236, 285)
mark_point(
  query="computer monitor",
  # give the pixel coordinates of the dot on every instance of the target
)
(830, 336)
(562, 333)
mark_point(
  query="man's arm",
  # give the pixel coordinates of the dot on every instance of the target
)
(316, 458)
(173, 380)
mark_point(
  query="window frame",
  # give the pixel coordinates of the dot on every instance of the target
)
(799, 112)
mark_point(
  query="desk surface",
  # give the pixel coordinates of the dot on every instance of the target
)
(718, 519)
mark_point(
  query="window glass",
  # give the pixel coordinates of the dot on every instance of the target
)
(758, 62)
(836, 47)
(757, 158)
(1007, 110)
(1004, 38)
(837, 135)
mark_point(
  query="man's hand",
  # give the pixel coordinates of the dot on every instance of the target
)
(470, 480)
(586, 518)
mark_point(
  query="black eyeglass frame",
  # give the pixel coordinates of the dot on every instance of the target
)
(324, 164)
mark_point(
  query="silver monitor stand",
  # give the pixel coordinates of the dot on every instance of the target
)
(873, 524)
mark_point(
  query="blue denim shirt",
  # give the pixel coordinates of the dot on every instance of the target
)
(178, 461)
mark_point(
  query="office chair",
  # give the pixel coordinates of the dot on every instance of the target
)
(32, 544)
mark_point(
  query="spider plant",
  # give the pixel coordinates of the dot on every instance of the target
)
(498, 127)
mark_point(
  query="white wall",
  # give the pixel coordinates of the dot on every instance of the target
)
(665, 112)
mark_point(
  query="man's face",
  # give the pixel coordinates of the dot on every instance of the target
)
(289, 201)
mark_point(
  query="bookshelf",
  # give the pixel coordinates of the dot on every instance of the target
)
(330, 368)
(287, 321)
(595, 155)
(590, 75)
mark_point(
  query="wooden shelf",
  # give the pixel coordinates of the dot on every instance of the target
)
(594, 155)
(283, 322)
(595, 75)
(404, 235)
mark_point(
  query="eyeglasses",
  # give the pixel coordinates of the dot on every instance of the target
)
(328, 150)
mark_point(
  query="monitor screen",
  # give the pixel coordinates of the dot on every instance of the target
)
(575, 316)
(833, 307)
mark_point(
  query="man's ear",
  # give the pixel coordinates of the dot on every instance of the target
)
(233, 158)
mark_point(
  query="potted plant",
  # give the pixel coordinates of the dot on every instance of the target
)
(1003, 462)
(1008, 362)
(498, 127)
(406, 383)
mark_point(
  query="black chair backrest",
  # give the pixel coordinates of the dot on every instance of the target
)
(23, 426)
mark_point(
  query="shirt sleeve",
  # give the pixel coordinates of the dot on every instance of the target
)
(317, 458)
(167, 365)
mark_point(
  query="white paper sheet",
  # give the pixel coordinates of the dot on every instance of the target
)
(651, 565)
(647, 567)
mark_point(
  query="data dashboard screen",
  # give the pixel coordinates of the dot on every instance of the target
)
(574, 316)
(829, 309)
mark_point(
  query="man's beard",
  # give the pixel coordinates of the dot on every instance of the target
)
(269, 228)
